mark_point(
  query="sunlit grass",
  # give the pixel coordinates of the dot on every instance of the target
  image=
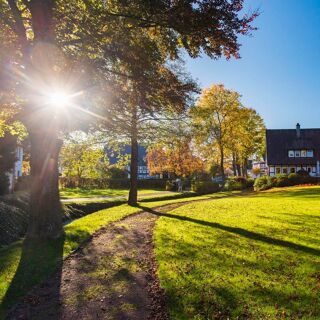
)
(24, 264)
(69, 193)
(249, 257)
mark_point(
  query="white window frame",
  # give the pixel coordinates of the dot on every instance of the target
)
(291, 153)
(297, 153)
(309, 153)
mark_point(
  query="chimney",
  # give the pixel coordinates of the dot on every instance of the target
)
(298, 130)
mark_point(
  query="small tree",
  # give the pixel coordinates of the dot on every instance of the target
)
(81, 158)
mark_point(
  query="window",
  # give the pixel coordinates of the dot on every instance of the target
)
(297, 153)
(303, 153)
(309, 169)
(309, 153)
(314, 169)
(292, 170)
(278, 170)
(284, 170)
(291, 154)
(272, 169)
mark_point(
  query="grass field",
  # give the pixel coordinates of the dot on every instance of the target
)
(249, 257)
(24, 264)
(69, 193)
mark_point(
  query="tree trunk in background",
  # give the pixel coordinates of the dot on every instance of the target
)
(45, 207)
(222, 163)
(234, 164)
(133, 193)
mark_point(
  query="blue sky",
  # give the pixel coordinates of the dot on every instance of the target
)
(279, 72)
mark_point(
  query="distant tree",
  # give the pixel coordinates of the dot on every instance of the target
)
(249, 139)
(82, 158)
(214, 119)
(173, 151)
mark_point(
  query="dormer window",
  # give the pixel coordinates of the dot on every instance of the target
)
(310, 153)
(300, 153)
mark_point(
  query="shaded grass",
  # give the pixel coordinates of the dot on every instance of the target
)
(249, 257)
(69, 193)
(25, 264)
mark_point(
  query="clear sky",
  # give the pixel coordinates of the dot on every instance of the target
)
(279, 70)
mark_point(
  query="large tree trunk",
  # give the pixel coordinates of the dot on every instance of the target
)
(45, 207)
(133, 193)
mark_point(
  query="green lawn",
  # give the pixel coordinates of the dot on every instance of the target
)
(248, 257)
(24, 264)
(69, 193)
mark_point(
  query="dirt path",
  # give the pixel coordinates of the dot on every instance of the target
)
(111, 277)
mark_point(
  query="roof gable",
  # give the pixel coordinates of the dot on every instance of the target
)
(281, 140)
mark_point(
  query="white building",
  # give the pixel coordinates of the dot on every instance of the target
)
(17, 169)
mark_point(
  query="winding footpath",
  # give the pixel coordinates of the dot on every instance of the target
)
(111, 277)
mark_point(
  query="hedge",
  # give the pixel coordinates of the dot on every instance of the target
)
(204, 187)
(283, 180)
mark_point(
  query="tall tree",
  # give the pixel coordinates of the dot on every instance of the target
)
(33, 32)
(214, 118)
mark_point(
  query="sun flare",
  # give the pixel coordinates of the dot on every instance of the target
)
(58, 99)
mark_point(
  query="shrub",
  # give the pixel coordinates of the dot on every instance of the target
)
(238, 183)
(232, 184)
(294, 179)
(204, 187)
(281, 181)
(250, 183)
(262, 183)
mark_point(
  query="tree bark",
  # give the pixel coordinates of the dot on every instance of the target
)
(45, 207)
(222, 164)
(133, 193)
(234, 164)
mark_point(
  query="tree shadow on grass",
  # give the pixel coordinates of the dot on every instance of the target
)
(39, 259)
(240, 231)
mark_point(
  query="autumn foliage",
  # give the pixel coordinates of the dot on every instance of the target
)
(177, 158)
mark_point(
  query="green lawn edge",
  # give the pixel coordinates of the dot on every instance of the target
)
(250, 257)
(25, 264)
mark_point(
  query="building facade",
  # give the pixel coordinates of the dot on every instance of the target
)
(293, 150)
(17, 169)
(143, 171)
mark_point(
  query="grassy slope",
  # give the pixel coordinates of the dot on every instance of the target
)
(23, 265)
(69, 193)
(255, 257)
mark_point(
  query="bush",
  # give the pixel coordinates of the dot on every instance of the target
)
(250, 183)
(204, 187)
(4, 184)
(281, 181)
(294, 179)
(261, 183)
(238, 183)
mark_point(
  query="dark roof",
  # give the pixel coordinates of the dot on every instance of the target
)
(281, 140)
